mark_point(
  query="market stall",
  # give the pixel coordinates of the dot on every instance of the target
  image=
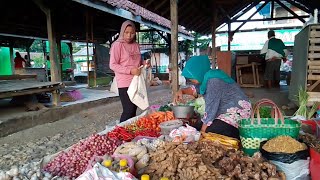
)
(162, 143)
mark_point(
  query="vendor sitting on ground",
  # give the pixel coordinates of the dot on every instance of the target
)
(225, 102)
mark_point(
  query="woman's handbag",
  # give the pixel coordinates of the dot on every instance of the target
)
(255, 130)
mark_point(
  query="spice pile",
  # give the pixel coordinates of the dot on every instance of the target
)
(207, 160)
(284, 144)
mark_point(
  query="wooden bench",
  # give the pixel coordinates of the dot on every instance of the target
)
(12, 88)
(18, 77)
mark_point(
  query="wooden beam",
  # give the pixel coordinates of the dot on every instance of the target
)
(299, 6)
(224, 12)
(272, 8)
(290, 11)
(245, 10)
(41, 5)
(262, 6)
(161, 3)
(174, 44)
(196, 19)
(165, 12)
(213, 32)
(270, 19)
(148, 3)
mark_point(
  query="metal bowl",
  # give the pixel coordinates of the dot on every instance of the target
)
(183, 112)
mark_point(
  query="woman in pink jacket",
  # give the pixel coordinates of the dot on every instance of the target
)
(125, 60)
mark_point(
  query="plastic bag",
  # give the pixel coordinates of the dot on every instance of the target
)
(137, 91)
(114, 87)
(298, 170)
(99, 172)
(185, 134)
(284, 157)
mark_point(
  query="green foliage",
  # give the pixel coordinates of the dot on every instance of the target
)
(37, 46)
(38, 61)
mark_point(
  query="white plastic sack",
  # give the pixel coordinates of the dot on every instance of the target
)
(99, 172)
(114, 87)
(182, 80)
(137, 91)
(298, 170)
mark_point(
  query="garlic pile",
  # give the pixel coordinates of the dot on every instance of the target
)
(29, 171)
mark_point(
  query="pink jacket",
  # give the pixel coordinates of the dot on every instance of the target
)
(124, 57)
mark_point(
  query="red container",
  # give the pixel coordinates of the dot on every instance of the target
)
(314, 164)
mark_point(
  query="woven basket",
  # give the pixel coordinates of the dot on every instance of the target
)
(255, 130)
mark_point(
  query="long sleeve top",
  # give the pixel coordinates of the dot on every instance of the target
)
(123, 58)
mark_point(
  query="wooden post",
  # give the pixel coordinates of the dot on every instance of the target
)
(87, 41)
(45, 59)
(71, 61)
(60, 56)
(93, 52)
(229, 36)
(213, 30)
(174, 44)
(28, 63)
(12, 58)
(54, 63)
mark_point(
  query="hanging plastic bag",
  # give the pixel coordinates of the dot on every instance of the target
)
(114, 87)
(137, 91)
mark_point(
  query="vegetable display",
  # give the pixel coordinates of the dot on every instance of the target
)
(153, 120)
(74, 162)
(123, 134)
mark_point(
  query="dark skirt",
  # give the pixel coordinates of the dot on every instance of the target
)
(220, 127)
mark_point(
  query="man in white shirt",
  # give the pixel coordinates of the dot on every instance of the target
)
(274, 50)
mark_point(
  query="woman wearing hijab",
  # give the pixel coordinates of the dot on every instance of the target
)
(125, 61)
(225, 102)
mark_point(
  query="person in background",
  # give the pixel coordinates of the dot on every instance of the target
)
(274, 50)
(225, 102)
(19, 62)
(125, 61)
(28, 61)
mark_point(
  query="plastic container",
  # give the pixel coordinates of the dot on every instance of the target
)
(145, 177)
(124, 166)
(314, 164)
(183, 112)
(168, 126)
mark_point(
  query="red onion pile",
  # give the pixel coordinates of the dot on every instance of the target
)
(74, 162)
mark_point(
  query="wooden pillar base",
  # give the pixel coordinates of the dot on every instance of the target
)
(56, 98)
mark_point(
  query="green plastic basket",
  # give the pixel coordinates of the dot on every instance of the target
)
(255, 130)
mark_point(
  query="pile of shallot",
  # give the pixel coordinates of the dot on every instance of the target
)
(75, 161)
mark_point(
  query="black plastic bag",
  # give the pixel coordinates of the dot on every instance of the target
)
(284, 157)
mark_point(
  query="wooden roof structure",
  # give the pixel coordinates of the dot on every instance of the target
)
(197, 15)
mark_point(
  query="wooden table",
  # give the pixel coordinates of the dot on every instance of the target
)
(255, 75)
(11, 88)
